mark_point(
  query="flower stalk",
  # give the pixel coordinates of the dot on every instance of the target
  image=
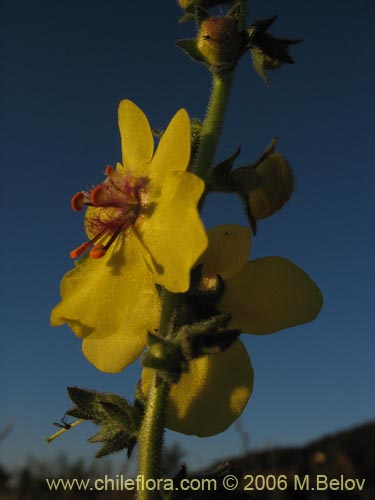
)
(152, 430)
(151, 435)
(212, 125)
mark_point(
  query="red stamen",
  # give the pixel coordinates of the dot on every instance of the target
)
(77, 202)
(77, 252)
(97, 252)
(95, 195)
(109, 170)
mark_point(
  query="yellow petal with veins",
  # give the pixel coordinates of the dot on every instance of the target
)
(173, 152)
(212, 395)
(111, 303)
(137, 142)
(270, 294)
(173, 234)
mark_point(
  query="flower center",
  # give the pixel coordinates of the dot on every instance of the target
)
(113, 207)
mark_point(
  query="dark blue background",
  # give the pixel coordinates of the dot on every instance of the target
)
(66, 65)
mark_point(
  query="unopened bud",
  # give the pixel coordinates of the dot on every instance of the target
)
(276, 183)
(219, 40)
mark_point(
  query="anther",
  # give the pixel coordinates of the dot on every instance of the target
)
(97, 252)
(95, 195)
(109, 170)
(77, 201)
(77, 252)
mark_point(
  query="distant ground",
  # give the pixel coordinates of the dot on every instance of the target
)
(339, 466)
(346, 456)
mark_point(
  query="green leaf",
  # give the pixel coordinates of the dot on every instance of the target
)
(116, 414)
(117, 443)
(81, 397)
(119, 421)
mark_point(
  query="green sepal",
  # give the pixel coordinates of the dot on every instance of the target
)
(238, 13)
(206, 337)
(250, 217)
(219, 178)
(170, 355)
(201, 15)
(188, 16)
(257, 57)
(267, 151)
(262, 25)
(189, 46)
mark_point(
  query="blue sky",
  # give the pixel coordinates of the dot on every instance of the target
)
(66, 67)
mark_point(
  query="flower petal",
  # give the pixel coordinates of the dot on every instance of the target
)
(270, 294)
(212, 395)
(111, 303)
(173, 152)
(174, 234)
(227, 252)
(137, 142)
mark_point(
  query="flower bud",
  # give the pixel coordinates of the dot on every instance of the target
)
(275, 186)
(219, 40)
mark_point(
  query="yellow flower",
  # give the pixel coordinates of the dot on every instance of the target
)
(263, 296)
(144, 228)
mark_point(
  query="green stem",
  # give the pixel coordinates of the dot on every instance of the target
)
(151, 436)
(152, 430)
(212, 125)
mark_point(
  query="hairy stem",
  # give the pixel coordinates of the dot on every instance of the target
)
(151, 435)
(152, 430)
(213, 122)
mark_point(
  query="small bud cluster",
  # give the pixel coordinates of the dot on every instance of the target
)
(222, 41)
